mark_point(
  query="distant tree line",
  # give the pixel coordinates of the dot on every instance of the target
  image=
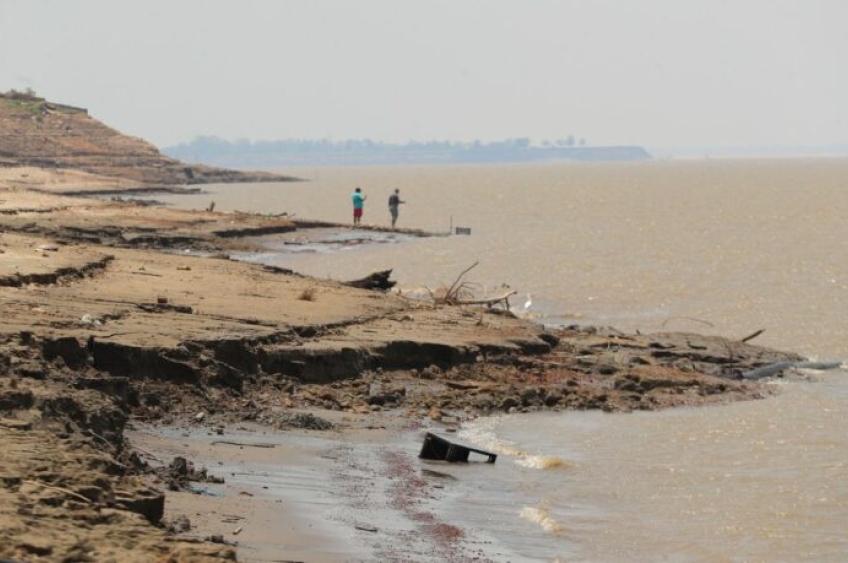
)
(293, 152)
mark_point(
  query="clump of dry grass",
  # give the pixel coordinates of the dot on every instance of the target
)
(308, 294)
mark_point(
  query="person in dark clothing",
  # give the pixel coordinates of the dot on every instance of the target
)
(394, 203)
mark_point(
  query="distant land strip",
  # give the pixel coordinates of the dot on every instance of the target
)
(264, 154)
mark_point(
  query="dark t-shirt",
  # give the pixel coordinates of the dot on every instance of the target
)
(394, 200)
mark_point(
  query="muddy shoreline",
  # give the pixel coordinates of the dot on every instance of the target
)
(118, 314)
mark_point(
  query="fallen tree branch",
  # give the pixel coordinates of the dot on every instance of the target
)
(452, 291)
(504, 299)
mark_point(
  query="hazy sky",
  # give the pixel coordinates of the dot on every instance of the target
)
(660, 73)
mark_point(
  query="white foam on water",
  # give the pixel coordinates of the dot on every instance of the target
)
(541, 461)
(482, 433)
(541, 516)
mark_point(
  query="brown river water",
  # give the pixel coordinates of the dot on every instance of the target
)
(713, 246)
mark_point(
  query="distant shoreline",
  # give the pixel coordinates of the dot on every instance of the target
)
(271, 154)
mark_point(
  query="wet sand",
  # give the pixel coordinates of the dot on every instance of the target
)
(274, 500)
(354, 494)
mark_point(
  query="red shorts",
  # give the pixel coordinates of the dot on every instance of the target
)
(357, 213)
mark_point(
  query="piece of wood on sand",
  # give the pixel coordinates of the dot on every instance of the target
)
(377, 280)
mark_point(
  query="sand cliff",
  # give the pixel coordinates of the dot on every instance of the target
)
(35, 132)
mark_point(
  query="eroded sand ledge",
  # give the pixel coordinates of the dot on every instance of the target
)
(114, 311)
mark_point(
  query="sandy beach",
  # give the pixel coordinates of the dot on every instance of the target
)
(131, 339)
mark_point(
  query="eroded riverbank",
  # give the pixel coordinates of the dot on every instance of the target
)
(101, 327)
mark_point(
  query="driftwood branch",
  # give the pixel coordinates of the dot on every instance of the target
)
(461, 292)
(377, 280)
(489, 301)
(753, 335)
(731, 348)
(452, 290)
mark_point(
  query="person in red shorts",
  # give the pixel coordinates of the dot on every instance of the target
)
(358, 205)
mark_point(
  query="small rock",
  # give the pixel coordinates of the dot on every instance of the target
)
(89, 320)
(200, 416)
(509, 403)
(529, 397)
(178, 525)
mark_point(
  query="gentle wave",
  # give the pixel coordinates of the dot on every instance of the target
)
(540, 461)
(541, 515)
(482, 433)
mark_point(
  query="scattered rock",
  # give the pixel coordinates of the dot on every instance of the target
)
(307, 421)
(179, 525)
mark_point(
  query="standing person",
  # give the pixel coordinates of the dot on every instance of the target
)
(358, 205)
(394, 203)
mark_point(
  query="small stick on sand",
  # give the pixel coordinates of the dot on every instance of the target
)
(145, 452)
(60, 489)
(753, 335)
(258, 445)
